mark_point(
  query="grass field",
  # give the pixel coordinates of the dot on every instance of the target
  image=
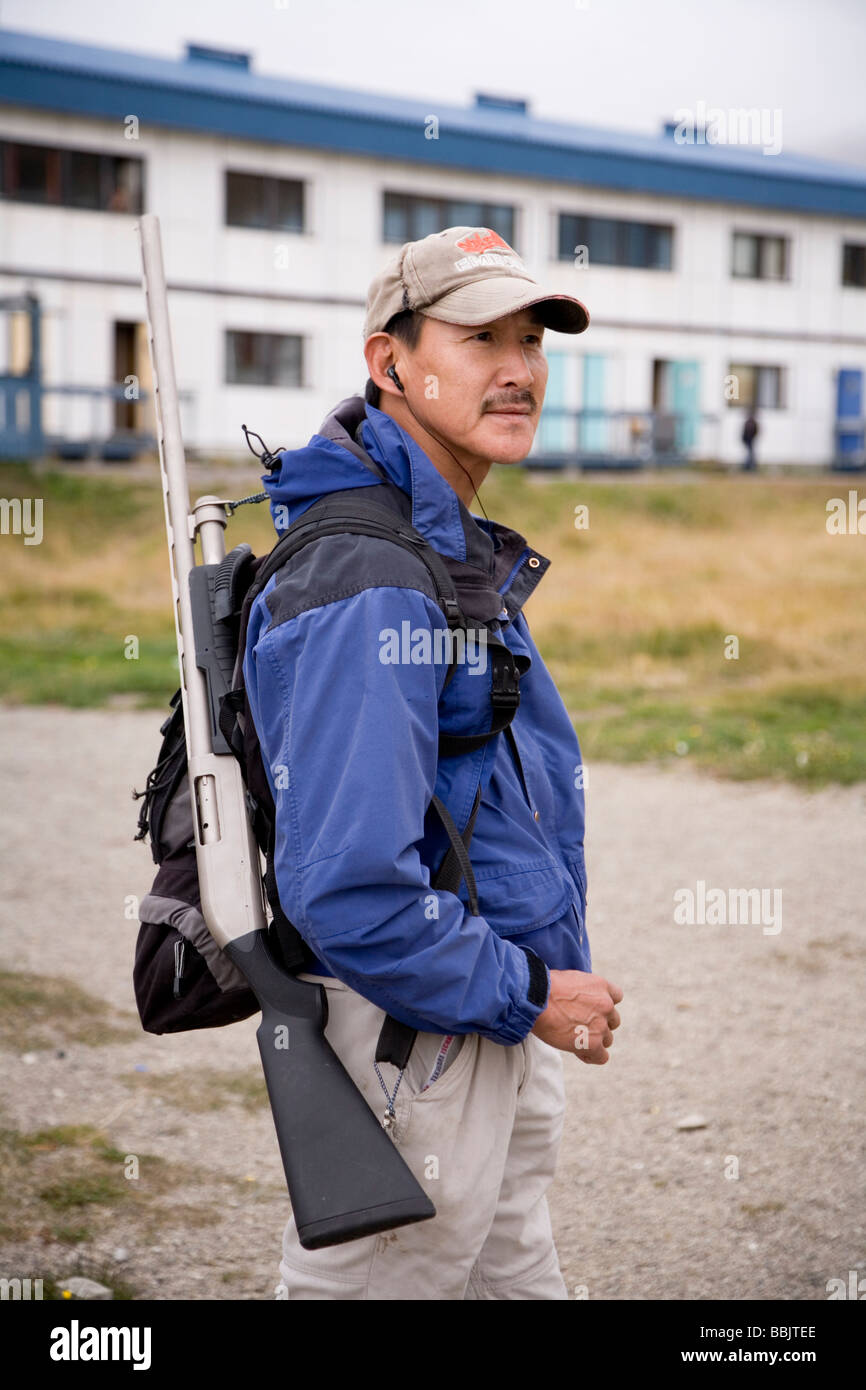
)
(634, 617)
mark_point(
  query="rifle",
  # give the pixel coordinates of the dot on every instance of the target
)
(345, 1177)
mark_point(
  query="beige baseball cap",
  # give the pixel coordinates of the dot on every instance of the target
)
(465, 275)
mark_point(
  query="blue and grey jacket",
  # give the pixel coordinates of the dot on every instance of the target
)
(349, 724)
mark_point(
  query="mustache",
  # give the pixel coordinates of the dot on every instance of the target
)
(521, 398)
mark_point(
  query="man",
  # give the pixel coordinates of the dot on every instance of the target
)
(350, 739)
(750, 433)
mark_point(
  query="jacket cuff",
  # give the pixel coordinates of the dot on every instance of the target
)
(536, 991)
(539, 979)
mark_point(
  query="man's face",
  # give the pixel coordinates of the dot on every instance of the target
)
(480, 389)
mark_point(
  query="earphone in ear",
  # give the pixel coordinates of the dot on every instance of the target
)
(392, 373)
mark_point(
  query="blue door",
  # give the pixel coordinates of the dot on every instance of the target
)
(849, 413)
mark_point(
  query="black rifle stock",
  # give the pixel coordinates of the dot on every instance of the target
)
(345, 1177)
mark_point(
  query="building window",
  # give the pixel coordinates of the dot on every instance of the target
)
(854, 265)
(759, 257)
(611, 241)
(70, 178)
(264, 359)
(257, 200)
(757, 386)
(407, 217)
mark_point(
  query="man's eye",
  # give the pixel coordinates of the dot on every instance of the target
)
(532, 337)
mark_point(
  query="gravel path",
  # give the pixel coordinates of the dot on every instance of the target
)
(757, 1033)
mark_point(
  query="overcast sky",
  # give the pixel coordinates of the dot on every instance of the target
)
(628, 64)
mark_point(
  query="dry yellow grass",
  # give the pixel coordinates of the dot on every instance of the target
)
(632, 617)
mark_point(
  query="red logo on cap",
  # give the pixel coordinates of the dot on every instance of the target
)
(482, 240)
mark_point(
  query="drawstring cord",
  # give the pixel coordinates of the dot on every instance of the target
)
(269, 458)
(153, 784)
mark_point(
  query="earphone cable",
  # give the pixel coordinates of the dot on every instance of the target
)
(447, 450)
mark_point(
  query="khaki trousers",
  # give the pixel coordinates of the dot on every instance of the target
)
(482, 1139)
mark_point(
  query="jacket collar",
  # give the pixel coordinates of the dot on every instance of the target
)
(501, 554)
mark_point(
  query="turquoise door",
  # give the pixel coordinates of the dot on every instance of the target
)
(594, 431)
(555, 434)
(685, 402)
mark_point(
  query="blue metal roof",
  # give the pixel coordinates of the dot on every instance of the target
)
(226, 98)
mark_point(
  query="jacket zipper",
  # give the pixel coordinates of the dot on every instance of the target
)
(509, 734)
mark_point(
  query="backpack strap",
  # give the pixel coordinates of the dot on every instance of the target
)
(397, 1039)
(457, 865)
(504, 700)
(293, 948)
(329, 516)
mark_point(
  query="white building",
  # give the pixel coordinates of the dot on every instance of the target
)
(716, 276)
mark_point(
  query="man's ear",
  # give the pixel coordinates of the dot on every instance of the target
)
(379, 352)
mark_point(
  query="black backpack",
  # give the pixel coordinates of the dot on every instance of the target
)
(182, 979)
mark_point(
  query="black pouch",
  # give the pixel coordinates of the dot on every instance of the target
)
(182, 979)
